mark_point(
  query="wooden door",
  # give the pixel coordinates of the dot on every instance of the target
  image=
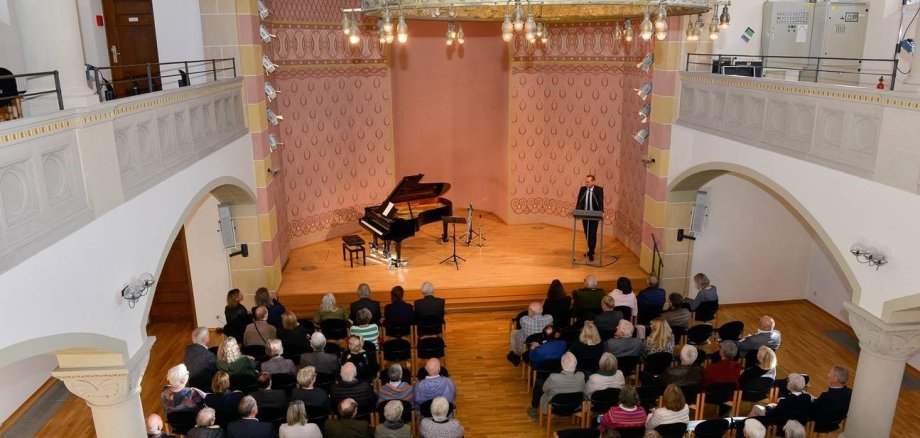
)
(132, 42)
(173, 300)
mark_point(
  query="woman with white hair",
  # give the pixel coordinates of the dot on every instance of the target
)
(232, 361)
(607, 376)
(395, 388)
(393, 427)
(439, 425)
(204, 425)
(794, 429)
(688, 373)
(276, 363)
(567, 381)
(296, 425)
(178, 397)
(794, 406)
(328, 309)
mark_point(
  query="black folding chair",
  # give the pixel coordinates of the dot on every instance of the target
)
(307, 325)
(244, 383)
(625, 310)
(647, 313)
(695, 399)
(731, 331)
(562, 405)
(430, 348)
(398, 331)
(628, 364)
(180, 422)
(706, 311)
(334, 329)
(712, 428)
(284, 382)
(600, 402)
(721, 393)
(318, 415)
(656, 363)
(631, 432)
(755, 390)
(699, 334)
(272, 414)
(396, 350)
(673, 430)
(256, 351)
(648, 396)
(429, 326)
(325, 381)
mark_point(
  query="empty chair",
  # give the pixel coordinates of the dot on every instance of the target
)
(673, 430)
(656, 363)
(680, 334)
(430, 347)
(429, 326)
(244, 383)
(334, 329)
(180, 422)
(600, 402)
(699, 334)
(731, 331)
(628, 364)
(563, 405)
(257, 352)
(631, 432)
(755, 390)
(712, 428)
(721, 393)
(695, 399)
(706, 311)
(284, 382)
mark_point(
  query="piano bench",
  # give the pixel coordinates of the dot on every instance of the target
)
(354, 245)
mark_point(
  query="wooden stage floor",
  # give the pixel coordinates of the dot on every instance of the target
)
(516, 264)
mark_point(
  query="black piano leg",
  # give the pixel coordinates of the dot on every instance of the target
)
(444, 232)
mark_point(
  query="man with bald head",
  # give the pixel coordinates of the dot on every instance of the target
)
(350, 387)
(154, 427)
(586, 302)
(434, 385)
(346, 425)
(767, 335)
(531, 323)
(260, 331)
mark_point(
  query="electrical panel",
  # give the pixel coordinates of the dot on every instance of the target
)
(787, 28)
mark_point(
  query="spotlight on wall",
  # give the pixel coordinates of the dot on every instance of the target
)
(640, 136)
(644, 91)
(647, 162)
(645, 111)
(868, 255)
(264, 35)
(136, 288)
(646, 63)
(268, 65)
(263, 10)
(273, 142)
(270, 92)
(273, 118)
(274, 171)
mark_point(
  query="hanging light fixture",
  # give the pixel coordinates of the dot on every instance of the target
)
(530, 28)
(544, 38)
(387, 21)
(646, 27)
(380, 33)
(449, 35)
(628, 31)
(617, 32)
(264, 35)
(461, 36)
(714, 27)
(690, 33)
(354, 35)
(346, 25)
(725, 19)
(268, 65)
(518, 18)
(507, 29)
(661, 23)
(402, 29)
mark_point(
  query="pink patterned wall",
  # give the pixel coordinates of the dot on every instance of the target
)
(573, 111)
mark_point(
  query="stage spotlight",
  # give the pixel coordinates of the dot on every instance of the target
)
(273, 142)
(270, 92)
(263, 33)
(646, 63)
(273, 118)
(640, 136)
(645, 112)
(644, 91)
(263, 10)
(268, 65)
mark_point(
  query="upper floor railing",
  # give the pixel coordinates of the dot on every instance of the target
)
(827, 70)
(120, 81)
(13, 93)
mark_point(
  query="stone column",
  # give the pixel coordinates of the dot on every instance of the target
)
(112, 392)
(49, 33)
(884, 351)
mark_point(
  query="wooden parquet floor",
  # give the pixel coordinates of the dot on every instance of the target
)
(492, 398)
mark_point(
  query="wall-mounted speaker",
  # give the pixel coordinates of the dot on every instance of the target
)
(227, 231)
(700, 212)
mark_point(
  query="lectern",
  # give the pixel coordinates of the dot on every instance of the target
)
(594, 216)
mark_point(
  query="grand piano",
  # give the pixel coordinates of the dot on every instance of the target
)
(410, 205)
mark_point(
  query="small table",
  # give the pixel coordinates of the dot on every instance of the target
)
(355, 246)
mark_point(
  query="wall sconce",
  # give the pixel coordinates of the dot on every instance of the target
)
(270, 92)
(645, 111)
(274, 171)
(640, 136)
(273, 118)
(266, 37)
(871, 256)
(725, 19)
(273, 142)
(137, 288)
(646, 63)
(644, 91)
(647, 162)
(268, 65)
(263, 10)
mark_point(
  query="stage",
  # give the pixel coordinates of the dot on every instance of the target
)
(514, 266)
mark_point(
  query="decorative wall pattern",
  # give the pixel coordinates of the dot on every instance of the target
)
(318, 43)
(579, 41)
(313, 11)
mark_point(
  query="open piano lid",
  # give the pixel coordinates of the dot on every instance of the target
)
(410, 189)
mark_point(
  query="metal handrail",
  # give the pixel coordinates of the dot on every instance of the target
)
(656, 256)
(103, 84)
(56, 90)
(720, 57)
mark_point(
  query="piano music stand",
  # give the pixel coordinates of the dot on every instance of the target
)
(594, 216)
(454, 220)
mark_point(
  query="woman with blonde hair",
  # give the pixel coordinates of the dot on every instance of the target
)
(674, 409)
(222, 399)
(232, 361)
(765, 367)
(607, 376)
(292, 335)
(328, 309)
(296, 425)
(661, 339)
(365, 362)
(588, 348)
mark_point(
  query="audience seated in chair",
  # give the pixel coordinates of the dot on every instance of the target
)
(674, 409)
(765, 367)
(224, 401)
(623, 344)
(248, 426)
(707, 292)
(660, 340)
(628, 413)
(260, 331)
(607, 376)
(364, 328)
(586, 302)
(398, 313)
(395, 388)
(293, 336)
(677, 315)
(833, 405)
(346, 425)
(392, 425)
(349, 387)
(201, 362)
(364, 361)
(794, 429)
(177, 396)
(727, 369)
(568, 381)
(325, 363)
(623, 295)
(794, 406)
(766, 335)
(277, 364)
(754, 429)
(365, 302)
(440, 425)
(429, 307)
(237, 315)
(328, 309)
(434, 385)
(267, 397)
(652, 297)
(608, 319)
(296, 425)
(232, 361)
(687, 373)
(305, 391)
(204, 425)
(154, 425)
(558, 305)
(531, 323)
(544, 347)
(274, 307)
(588, 348)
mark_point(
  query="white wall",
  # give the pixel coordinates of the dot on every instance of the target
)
(751, 247)
(95, 46)
(21, 379)
(178, 27)
(10, 52)
(207, 262)
(744, 14)
(826, 287)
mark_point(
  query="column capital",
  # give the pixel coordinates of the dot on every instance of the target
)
(889, 341)
(107, 385)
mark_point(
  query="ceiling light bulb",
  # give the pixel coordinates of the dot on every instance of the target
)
(382, 36)
(518, 18)
(507, 29)
(354, 36)
(617, 32)
(390, 37)
(402, 30)
(545, 38)
(628, 32)
(387, 21)
(725, 19)
(448, 38)
(451, 31)
(461, 36)
(645, 28)
(661, 19)
(530, 26)
(346, 25)
(690, 33)
(539, 31)
(714, 28)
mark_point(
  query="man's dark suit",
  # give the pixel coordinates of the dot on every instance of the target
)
(429, 307)
(831, 405)
(274, 398)
(325, 363)
(250, 428)
(593, 201)
(200, 362)
(753, 342)
(365, 303)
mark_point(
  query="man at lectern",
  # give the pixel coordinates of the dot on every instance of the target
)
(590, 197)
